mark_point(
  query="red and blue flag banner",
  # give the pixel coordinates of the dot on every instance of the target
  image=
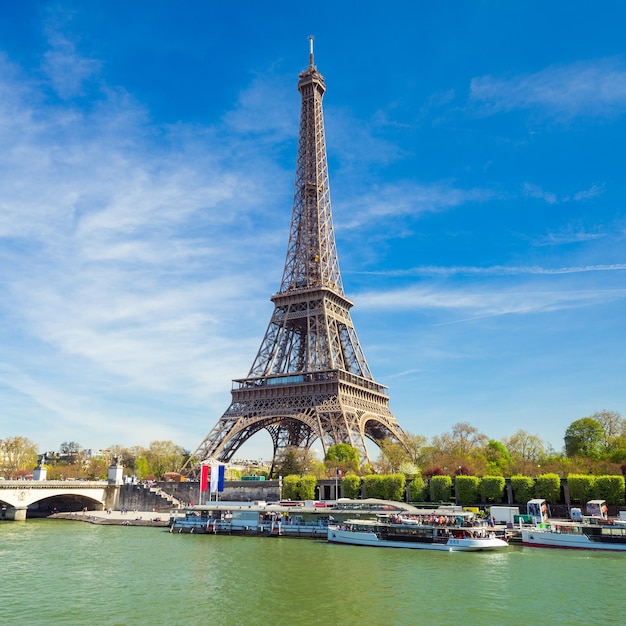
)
(339, 473)
(204, 478)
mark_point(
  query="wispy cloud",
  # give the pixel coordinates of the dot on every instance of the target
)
(117, 250)
(266, 106)
(496, 270)
(409, 199)
(567, 236)
(534, 191)
(531, 190)
(587, 88)
(482, 302)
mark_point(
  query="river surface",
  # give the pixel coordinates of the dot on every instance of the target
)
(70, 572)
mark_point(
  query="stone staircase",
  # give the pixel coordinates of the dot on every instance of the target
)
(173, 502)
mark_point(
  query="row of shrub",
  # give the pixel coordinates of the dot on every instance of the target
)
(471, 489)
(583, 488)
(299, 487)
(467, 489)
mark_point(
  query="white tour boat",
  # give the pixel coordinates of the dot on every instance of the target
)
(590, 534)
(413, 534)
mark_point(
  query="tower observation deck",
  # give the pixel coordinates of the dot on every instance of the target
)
(309, 380)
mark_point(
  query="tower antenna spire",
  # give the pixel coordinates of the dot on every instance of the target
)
(311, 63)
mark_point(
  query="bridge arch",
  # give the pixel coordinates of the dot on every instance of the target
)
(22, 499)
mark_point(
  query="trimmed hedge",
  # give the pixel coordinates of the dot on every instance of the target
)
(467, 489)
(548, 486)
(440, 488)
(306, 488)
(609, 488)
(492, 488)
(385, 487)
(299, 487)
(523, 489)
(351, 487)
(581, 487)
(417, 489)
(393, 487)
(291, 486)
(374, 487)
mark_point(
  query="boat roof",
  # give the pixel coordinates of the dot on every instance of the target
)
(343, 505)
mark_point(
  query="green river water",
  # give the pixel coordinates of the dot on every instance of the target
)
(64, 572)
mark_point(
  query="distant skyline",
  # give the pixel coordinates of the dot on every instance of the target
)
(477, 180)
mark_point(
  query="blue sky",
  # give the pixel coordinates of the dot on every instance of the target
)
(476, 155)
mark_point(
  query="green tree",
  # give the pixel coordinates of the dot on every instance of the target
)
(415, 445)
(142, 468)
(294, 460)
(612, 424)
(96, 469)
(464, 440)
(584, 437)
(164, 456)
(498, 457)
(16, 454)
(392, 455)
(342, 453)
(526, 450)
(342, 456)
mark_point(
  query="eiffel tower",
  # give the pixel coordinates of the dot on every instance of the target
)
(310, 380)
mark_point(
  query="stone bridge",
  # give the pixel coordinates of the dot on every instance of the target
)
(22, 498)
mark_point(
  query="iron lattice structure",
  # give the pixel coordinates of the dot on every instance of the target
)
(310, 380)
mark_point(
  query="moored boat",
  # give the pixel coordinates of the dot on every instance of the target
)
(406, 533)
(586, 535)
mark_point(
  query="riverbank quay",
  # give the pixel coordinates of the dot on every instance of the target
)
(116, 518)
(306, 519)
(312, 519)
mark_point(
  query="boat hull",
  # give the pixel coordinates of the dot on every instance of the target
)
(363, 538)
(541, 538)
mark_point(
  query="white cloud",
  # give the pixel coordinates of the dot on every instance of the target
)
(586, 194)
(497, 270)
(408, 199)
(480, 301)
(126, 261)
(266, 106)
(587, 88)
(567, 236)
(534, 191)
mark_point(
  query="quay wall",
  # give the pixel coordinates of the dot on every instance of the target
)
(164, 496)
(154, 497)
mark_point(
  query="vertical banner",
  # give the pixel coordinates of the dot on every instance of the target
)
(204, 478)
(217, 478)
(220, 480)
(214, 478)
